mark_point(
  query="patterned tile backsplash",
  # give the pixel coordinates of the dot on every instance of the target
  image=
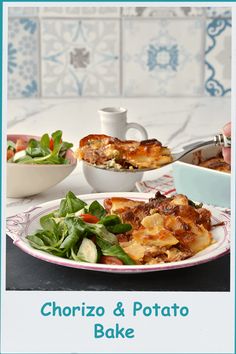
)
(118, 51)
(218, 58)
(164, 62)
(23, 57)
(80, 11)
(170, 12)
(80, 57)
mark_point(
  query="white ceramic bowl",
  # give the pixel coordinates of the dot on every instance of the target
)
(199, 183)
(110, 180)
(25, 180)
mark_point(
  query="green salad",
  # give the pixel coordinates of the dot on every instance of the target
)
(81, 232)
(47, 150)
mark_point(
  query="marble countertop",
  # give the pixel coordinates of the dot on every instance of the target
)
(173, 121)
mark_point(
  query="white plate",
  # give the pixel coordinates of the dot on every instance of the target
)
(20, 225)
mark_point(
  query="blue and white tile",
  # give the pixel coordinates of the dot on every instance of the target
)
(161, 12)
(216, 12)
(162, 58)
(218, 57)
(14, 11)
(23, 57)
(76, 11)
(80, 58)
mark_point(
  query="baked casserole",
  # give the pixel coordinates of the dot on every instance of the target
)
(216, 163)
(163, 229)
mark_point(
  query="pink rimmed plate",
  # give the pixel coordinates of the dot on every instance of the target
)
(20, 225)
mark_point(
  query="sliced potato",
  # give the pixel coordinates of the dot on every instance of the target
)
(113, 205)
(153, 221)
(201, 240)
(179, 199)
(134, 249)
(151, 237)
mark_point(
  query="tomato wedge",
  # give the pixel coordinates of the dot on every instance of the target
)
(111, 260)
(92, 219)
(51, 144)
(21, 145)
(10, 154)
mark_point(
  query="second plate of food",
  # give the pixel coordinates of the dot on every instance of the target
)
(122, 232)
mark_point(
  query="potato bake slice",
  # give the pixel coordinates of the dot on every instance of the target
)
(164, 229)
(108, 152)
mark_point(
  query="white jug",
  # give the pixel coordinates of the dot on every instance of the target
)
(114, 123)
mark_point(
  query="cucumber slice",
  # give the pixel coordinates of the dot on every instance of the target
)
(81, 211)
(88, 251)
(19, 155)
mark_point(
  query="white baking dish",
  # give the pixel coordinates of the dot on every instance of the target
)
(199, 183)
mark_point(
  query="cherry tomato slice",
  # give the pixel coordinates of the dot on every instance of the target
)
(110, 260)
(21, 145)
(92, 219)
(10, 154)
(51, 144)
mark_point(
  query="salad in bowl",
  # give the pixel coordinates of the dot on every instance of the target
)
(34, 164)
(45, 150)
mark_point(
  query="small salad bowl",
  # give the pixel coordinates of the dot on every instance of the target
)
(111, 180)
(24, 180)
